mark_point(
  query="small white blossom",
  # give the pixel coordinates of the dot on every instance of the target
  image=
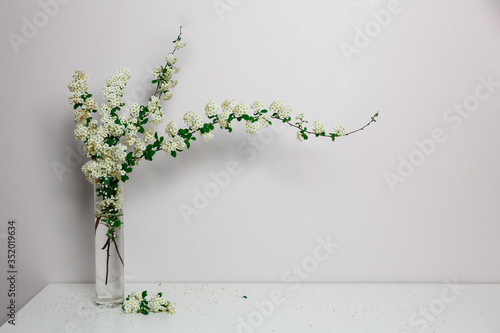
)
(299, 136)
(90, 104)
(193, 121)
(257, 106)
(171, 59)
(207, 136)
(134, 110)
(228, 105)
(252, 127)
(179, 143)
(319, 127)
(148, 135)
(284, 112)
(339, 130)
(223, 118)
(276, 106)
(179, 44)
(131, 305)
(171, 129)
(264, 120)
(300, 117)
(211, 109)
(240, 110)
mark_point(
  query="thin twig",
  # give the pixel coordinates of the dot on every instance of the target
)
(116, 246)
(107, 263)
(175, 48)
(97, 224)
(362, 128)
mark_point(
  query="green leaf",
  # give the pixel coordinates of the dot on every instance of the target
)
(154, 81)
(174, 154)
(144, 294)
(263, 111)
(117, 223)
(188, 144)
(125, 178)
(304, 135)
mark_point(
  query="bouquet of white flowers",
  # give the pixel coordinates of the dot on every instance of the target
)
(116, 142)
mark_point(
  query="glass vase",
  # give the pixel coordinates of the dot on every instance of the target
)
(109, 260)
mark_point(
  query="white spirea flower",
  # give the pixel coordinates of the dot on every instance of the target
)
(131, 305)
(264, 120)
(284, 112)
(148, 135)
(188, 118)
(179, 143)
(339, 130)
(212, 108)
(319, 127)
(136, 295)
(153, 104)
(81, 132)
(166, 96)
(223, 118)
(299, 136)
(228, 105)
(134, 110)
(193, 121)
(90, 104)
(168, 145)
(157, 117)
(240, 110)
(79, 84)
(81, 116)
(171, 129)
(252, 127)
(179, 44)
(276, 106)
(171, 59)
(300, 117)
(207, 136)
(257, 106)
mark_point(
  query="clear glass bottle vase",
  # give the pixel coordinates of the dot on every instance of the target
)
(109, 259)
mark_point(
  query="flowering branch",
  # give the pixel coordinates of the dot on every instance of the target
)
(116, 143)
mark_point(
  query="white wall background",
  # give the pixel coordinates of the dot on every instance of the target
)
(441, 223)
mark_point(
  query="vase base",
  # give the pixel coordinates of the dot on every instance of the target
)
(109, 302)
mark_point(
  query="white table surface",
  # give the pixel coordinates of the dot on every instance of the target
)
(221, 307)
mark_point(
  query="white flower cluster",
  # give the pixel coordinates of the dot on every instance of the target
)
(155, 111)
(319, 127)
(159, 304)
(116, 87)
(78, 87)
(193, 121)
(134, 303)
(278, 107)
(163, 75)
(339, 130)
